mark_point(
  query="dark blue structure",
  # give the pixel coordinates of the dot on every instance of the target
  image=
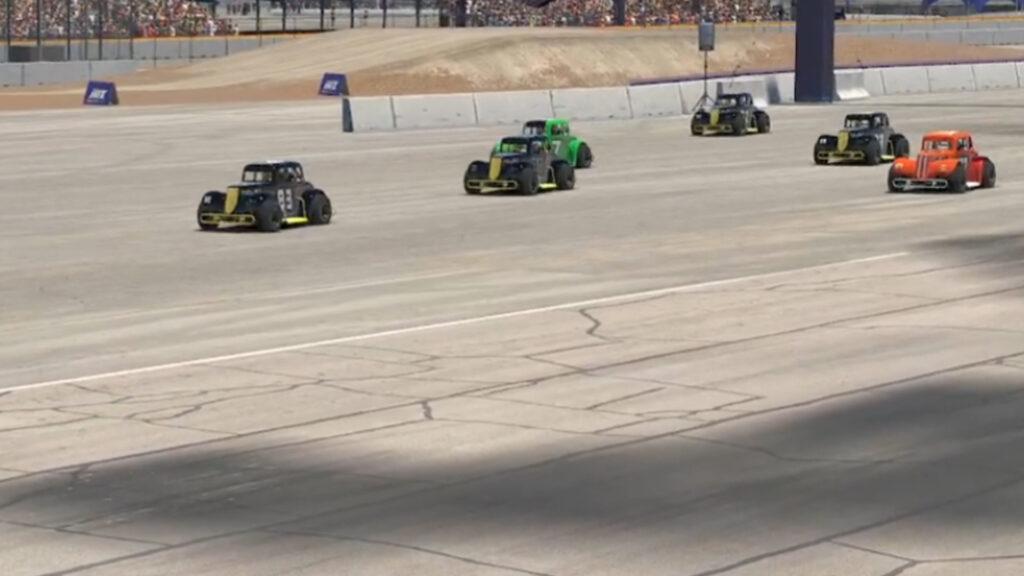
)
(334, 85)
(101, 94)
(815, 50)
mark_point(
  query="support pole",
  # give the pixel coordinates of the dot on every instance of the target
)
(815, 51)
(39, 30)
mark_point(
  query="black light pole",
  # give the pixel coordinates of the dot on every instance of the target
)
(384, 18)
(99, 31)
(284, 15)
(39, 30)
(259, 31)
(419, 8)
(351, 13)
(67, 18)
(8, 7)
(323, 8)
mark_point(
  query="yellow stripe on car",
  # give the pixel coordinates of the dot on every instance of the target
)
(495, 169)
(714, 117)
(844, 140)
(231, 201)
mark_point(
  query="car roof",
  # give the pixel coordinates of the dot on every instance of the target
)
(734, 95)
(275, 163)
(523, 139)
(946, 134)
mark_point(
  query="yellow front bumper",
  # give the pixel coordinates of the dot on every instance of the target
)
(221, 218)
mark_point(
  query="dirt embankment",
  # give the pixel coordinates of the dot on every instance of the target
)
(480, 59)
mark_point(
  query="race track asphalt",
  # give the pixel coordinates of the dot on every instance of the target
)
(712, 357)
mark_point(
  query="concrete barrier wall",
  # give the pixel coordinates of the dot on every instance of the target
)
(849, 85)
(996, 76)
(957, 78)
(655, 101)
(512, 107)
(663, 100)
(12, 75)
(434, 111)
(905, 80)
(873, 81)
(591, 103)
(372, 113)
(781, 87)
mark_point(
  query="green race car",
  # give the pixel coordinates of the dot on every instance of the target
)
(563, 142)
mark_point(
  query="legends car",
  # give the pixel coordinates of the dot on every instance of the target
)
(733, 114)
(563, 142)
(948, 162)
(523, 164)
(864, 138)
(271, 194)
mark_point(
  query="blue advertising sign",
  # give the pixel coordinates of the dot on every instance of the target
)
(334, 85)
(100, 94)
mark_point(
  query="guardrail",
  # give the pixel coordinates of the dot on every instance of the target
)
(665, 99)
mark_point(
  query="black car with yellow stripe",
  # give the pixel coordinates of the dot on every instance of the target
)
(733, 114)
(523, 164)
(864, 139)
(271, 194)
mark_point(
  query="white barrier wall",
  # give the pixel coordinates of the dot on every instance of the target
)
(434, 111)
(372, 113)
(905, 80)
(512, 107)
(591, 103)
(11, 75)
(656, 100)
(781, 88)
(957, 78)
(661, 100)
(996, 76)
(849, 85)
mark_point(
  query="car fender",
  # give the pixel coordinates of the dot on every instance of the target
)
(905, 167)
(574, 149)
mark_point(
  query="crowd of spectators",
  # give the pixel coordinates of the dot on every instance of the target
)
(600, 12)
(119, 18)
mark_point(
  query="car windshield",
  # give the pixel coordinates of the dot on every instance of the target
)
(727, 101)
(937, 145)
(513, 147)
(533, 129)
(258, 174)
(855, 123)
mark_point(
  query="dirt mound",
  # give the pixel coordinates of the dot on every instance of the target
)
(480, 59)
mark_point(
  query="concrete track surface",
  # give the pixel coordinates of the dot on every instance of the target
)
(712, 357)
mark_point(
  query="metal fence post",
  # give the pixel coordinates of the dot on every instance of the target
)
(284, 15)
(8, 10)
(67, 20)
(39, 30)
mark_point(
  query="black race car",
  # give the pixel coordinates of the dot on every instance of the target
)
(864, 139)
(524, 164)
(271, 194)
(733, 114)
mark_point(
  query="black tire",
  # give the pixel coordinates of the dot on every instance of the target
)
(764, 123)
(202, 226)
(900, 146)
(319, 209)
(988, 175)
(269, 216)
(958, 180)
(529, 183)
(695, 128)
(584, 157)
(817, 160)
(565, 176)
(216, 206)
(475, 171)
(739, 126)
(890, 179)
(873, 154)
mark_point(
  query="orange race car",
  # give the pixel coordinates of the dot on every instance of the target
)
(947, 161)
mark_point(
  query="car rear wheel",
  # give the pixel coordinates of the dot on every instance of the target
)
(988, 174)
(764, 123)
(319, 210)
(584, 158)
(269, 217)
(565, 176)
(900, 146)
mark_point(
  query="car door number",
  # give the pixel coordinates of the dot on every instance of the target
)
(285, 199)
